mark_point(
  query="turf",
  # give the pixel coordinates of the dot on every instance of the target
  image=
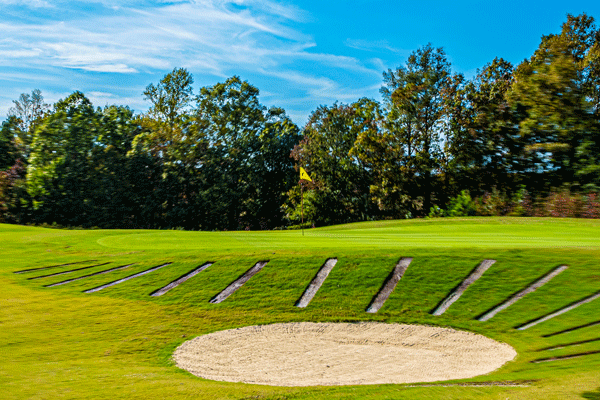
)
(58, 342)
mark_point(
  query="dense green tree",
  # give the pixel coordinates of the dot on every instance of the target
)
(59, 169)
(224, 165)
(341, 177)
(553, 97)
(247, 170)
(415, 96)
(8, 149)
(221, 160)
(79, 173)
(482, 142)
(171, 149)
(123, 183)
(171, 96)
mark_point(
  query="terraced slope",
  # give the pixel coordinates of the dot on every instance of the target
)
(57, 341)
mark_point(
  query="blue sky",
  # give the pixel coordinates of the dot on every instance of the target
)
(300, 54)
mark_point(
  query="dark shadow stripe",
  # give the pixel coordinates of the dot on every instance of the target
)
(460, 289)
(562, 346)
(529, 289)
(573, 329)
(238, 283)
(181, 279)
(389, 285)
(52, 266)
(563, 310)
(125, 279)
(567, 357)
(67, 272)
(316, 283)
(87, 276)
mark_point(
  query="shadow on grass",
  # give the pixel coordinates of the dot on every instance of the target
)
(591, 395)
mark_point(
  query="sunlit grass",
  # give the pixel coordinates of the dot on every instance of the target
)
(61, 343)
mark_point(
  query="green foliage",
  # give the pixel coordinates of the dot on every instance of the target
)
(553, 98)
(482, 143)
(415, 96)
(435, 212)
(171, 96)
(223, 165)
(78, 172)
(330, 151)
(520, 140)
(461, 205)
(27, 112)
(8, 150)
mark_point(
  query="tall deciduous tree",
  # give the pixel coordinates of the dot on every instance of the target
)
(415, 97)
(59, 163)
(78, 172)
(554, 98)
(483, 143)
(341, 177)
(28, 111)
(247, 169)
(171, 96)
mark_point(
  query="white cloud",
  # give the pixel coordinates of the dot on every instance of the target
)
(143, 37)
(211, 38)
(27, 3)
(373, 45)
(130, 39)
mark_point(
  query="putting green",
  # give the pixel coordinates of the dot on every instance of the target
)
(453, 233)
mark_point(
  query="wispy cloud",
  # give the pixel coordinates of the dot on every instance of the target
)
(217, 38)
(373, 45)
(129, 39)
(27, 3)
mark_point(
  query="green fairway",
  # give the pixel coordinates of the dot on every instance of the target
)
(59, 342)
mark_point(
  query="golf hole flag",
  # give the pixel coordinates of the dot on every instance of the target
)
(304, 175)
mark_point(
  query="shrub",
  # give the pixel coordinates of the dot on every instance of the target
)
(563, 205)
(461, 205)
(494, 203)
(435, 212)
(591, 208)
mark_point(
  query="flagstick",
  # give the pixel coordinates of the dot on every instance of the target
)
(302, 206)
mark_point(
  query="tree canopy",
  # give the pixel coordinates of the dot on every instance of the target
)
(504, 141)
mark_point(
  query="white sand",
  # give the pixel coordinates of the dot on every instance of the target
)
(309, 354)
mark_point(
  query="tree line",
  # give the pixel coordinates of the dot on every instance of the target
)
(509, 140)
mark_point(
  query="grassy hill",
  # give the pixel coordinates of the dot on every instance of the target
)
(59, 342)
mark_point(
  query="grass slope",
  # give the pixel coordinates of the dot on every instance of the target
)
(57, 342)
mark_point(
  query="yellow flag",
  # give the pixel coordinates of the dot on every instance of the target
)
(304, 175)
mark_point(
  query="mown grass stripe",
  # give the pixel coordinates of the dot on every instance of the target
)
(125, 279)
(238, 283)
(67, 272)
(458, 291)
(180, 280)
(559, 312)
(562, 346)
(51, 266)
(567, 357)
(89, 275)
(573, 329)
(316, 283)
(531, 288)
(389, 285)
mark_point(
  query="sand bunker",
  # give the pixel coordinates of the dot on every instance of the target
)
(309, 354)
